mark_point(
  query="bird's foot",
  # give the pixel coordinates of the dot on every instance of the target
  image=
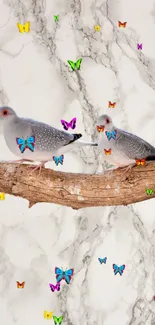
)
(37, 167)
(126, 169)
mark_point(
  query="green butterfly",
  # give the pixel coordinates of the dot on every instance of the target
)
(58, 320)
(56, 18)
(75, 65)
(149, 192)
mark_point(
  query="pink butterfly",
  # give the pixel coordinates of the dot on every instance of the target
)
(67, 125)
(54, 287)
(139, 46)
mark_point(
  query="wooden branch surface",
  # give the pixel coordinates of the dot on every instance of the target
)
(77, 190)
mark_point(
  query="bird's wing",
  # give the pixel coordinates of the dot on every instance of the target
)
(48, 137)
(132, 146)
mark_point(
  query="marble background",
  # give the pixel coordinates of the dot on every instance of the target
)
(37, 82)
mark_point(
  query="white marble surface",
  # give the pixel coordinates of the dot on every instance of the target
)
(37, 82)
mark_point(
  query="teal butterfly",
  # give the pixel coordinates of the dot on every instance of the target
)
(149, 192)
(56, 18)
(26, 143)
(75, 65)
(58, 320)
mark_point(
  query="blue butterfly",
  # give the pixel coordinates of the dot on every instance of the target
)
(64, 275)
(102, 260)
(111, 135)
(26, 143)
(58, 160)
(118, 269)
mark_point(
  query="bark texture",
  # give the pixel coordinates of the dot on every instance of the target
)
(78, 190)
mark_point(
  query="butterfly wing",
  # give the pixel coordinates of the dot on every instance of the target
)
(18, 284)
(100, 260)
(61, 159)
(143, 161)
(60, 319)
(27, 27)
(23, 284)
(137, 162)
(73, 123)
(55, 319)
(21, 144)
(68, 275)
(78, 64)
(52, 287)
(56, 160)
(30, 143)
(31, 139)
(147, 191)
(50, 314)
(69, 272)
(59, 274)
(65, 124)
(115, 268)
(114, 134)
(20, 28)
(121, 269)
(108, 134)
(72, 64)
(104, 260)
(45, 314)
(20, 141)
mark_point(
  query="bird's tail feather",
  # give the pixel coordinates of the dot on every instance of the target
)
(76, 137)
(81, 143)
(85, 143)
(150, 158)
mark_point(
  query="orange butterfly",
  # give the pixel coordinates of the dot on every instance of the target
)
(123, 25)
(20, 285)
(140, 162)
(100, 128)
(112, 105)
(107, 152)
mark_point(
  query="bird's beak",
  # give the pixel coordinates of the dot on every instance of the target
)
(100, 128)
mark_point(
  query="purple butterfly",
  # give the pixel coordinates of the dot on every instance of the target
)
(67, 125)
(139, 46)
(55, 287)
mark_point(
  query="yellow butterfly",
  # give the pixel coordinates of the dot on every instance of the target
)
(97, 28)
(24, 28)
(48, 314)
(2, 196)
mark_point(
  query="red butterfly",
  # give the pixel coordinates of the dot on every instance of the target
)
(100, 128)
(107, 152)
(112, 105)
(123, 25)
(140, 162)
(20, 285)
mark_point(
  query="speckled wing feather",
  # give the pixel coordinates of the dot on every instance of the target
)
(133, 146)
(48, 138)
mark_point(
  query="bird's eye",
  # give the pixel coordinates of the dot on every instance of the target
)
(5, 112)
(107, 121)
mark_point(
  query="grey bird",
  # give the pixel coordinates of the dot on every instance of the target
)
(126, 148)
(49, 141)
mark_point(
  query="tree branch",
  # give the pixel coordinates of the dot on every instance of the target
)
(77, 190)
